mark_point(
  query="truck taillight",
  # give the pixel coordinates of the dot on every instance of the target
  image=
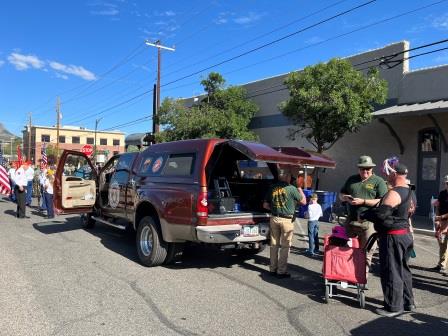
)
(202, 208)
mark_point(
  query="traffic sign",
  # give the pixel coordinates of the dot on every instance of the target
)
(87, 150)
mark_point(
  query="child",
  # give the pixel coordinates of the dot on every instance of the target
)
(48, 193)
(314, 212)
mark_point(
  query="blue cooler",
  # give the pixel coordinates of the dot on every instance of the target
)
(326, 199)
(300, 211)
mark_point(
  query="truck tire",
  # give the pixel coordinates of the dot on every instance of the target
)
(87, 222)
(151, 248)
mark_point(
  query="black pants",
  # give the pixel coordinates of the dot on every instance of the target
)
(21, 200)
(396, 277)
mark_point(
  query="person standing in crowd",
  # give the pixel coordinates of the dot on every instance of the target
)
(391, 220)
(281, 200)
(12, 175)
(21, 183)
(313, 214)
(362, 191)
(29, 187)
(42, 177)
(48, 187)
(441, 226)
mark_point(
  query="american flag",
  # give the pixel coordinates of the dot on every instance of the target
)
(44, 161)
(5, 188)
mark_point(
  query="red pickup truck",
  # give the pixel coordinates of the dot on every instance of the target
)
(204, 191)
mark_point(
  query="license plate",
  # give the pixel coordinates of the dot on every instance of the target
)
(250, 230)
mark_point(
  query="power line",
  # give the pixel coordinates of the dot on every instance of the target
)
(259, 36)
(315, 44)
(274, 41)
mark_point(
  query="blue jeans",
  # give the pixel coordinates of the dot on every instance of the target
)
(12, 196)
(313, 236)
(29, 192)
(43, 206)
(49, 201)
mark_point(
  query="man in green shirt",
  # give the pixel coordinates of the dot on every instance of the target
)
(362, 191)
(282, 200)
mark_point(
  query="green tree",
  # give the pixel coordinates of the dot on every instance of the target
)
(330, 99)
(213, 83)
(225, 115)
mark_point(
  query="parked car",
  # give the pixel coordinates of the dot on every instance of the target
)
(177, 192)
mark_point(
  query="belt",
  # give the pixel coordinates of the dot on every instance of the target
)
(282, 216)
(398, 232)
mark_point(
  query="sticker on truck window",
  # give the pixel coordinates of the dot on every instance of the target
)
(157, 165)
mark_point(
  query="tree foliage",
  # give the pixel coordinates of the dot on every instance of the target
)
(330, 99)
(225, 113)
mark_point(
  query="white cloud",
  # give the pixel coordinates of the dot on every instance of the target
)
(170, 13)
(73, 70)
(58, 75)
(105, 9)
(441, 22)
(2, 62)
(314, 40)
(248, 19)
(24, 62)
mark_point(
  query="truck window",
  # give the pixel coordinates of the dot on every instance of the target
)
(125, 161)
(253, 170)
(76, 165)
(145, 167)
(179, 165)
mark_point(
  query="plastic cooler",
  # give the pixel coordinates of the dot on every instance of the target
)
(304, 208)
(326, 199)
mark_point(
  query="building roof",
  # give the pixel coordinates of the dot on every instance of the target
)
(413, 109)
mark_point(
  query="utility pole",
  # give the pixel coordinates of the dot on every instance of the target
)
(58, 118)
(94, 146)
(29, 139)
(155, 115)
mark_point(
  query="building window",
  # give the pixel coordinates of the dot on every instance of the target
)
(90, 141)
(116, 142)
(76, 140)
(45, 138)
(103, 142)
(62, 138)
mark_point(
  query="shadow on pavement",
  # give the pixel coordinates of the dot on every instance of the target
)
(112, 238)
(420, 325)
(10, 212)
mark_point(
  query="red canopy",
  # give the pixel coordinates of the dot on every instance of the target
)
(307, 157)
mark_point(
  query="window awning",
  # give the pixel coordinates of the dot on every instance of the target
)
(307, 157)
(439, 106)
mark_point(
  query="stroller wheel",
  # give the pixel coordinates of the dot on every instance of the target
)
(327, 293)
(362, 299)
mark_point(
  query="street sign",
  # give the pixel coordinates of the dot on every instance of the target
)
(87, 150)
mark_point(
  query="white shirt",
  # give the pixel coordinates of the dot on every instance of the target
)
(48, 186)
(29, 173)
(12, 173)
(20, 177)
(314, 211)
(42, 177)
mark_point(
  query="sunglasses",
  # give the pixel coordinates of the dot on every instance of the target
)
(365, 168)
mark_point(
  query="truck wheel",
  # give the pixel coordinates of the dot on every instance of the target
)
(151, 248)
(87, 222)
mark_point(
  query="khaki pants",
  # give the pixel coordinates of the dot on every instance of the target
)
(362, 231)
(282, 230)
(443, 255)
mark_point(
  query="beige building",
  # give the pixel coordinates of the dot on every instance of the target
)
(71, 137)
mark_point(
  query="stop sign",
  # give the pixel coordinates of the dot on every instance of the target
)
(87, 150)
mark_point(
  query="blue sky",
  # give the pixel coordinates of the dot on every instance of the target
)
(92, 53)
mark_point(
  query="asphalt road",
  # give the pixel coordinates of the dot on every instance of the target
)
(58, 279)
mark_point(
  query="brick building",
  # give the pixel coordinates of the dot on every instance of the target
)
(70, 137)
